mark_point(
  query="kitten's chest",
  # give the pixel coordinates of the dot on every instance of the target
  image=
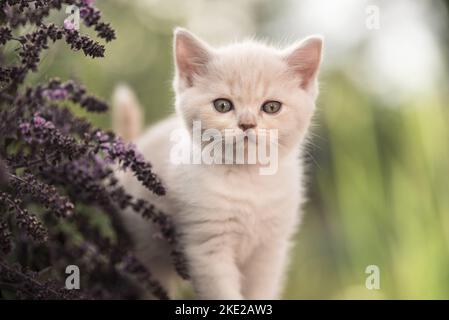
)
(239, 209)
(253, 208)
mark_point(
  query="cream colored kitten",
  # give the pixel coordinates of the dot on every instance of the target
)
(235, 224)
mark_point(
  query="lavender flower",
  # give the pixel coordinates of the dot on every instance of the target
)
(5, 35)
(131, 265)
(56, 94)
(45, 194)
(5, 238)
(3, 173)
(28, 285)
(128, 157)
(58, 166)
(26, 221)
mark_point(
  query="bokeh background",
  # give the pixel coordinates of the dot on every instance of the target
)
(378, 159)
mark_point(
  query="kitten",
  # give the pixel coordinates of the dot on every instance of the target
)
(235, 224)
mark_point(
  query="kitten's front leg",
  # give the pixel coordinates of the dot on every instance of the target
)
(213, 271)
(264, 272)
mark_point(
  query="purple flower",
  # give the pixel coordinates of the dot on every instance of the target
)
(25, 128)
(56, 94)
(3, 173)
(49, 125)
(88, 2)
(5, 35)
(101, 136)
(5, 238)
(49, 156)
(38, 121)
(43, 193)
(84, 12)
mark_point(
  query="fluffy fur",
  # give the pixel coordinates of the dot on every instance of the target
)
(235, 225)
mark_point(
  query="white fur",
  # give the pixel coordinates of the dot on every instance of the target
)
(235, 225)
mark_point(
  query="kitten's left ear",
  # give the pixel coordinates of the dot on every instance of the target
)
(304, 58)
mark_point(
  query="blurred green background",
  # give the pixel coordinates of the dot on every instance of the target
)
(378, 157)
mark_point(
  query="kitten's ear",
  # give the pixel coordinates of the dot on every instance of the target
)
(304, 58)
(191, 56)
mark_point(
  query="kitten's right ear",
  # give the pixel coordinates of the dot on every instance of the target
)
(191, 56)
(304, 59)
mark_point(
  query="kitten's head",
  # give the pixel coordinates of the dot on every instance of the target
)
(247, 85)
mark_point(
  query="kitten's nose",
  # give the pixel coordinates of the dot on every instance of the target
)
(246, 121)
(246, 126)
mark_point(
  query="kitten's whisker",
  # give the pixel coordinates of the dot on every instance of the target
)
(309, 154)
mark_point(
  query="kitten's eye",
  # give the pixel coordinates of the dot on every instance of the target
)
(271, 107)
(223, 105)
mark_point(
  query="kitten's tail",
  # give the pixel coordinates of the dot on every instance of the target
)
(127, 115)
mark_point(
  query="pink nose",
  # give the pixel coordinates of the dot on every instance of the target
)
(246, 126)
